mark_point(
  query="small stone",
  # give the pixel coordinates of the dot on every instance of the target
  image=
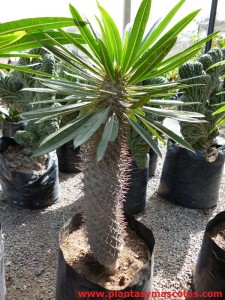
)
(38, 271)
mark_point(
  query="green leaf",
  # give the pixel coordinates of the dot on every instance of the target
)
(30, 42)
(136, 35)
(112, 34)
(66, 55)
(150, 61)
(187, 116)
(49, 111)
(154, 54)
(169, 133)
(145, 99)
(10, 38)
(105, 60)
(221, 109)
(32, 25)
(171, 102)
(220, 63)
(26, 55)
(83, 133)
(61, 136)
(146, 136)
(105, 39)
(152, 130)
(187, 52)
(84, 31)
(115, 129)
(159, 28)
(109, 134)
(24, 69)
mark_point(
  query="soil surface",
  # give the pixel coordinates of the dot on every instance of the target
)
(218, 235)
(19, 159)
(131, 259)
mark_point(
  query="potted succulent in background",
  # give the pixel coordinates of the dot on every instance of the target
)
(26, 182)
(193, 179)
(110, 102)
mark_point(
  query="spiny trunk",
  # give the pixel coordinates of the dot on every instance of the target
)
(104, 184)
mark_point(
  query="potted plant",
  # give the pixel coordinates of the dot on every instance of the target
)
(209, 274)
(26, 182)
(193, 179)
(110, 102)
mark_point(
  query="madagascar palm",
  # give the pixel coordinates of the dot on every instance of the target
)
(110, 100)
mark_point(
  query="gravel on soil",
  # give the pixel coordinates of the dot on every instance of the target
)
(31, 239)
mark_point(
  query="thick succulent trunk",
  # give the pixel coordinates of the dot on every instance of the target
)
(104, 184)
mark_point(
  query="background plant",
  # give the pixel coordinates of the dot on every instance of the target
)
(13, 95)
(209, 94)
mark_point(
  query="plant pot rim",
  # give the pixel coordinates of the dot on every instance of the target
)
(216, 220)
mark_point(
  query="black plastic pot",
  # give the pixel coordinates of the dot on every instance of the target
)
(135, 198)
(188, 179)
(153, 158)
(209, 274)
(26, 190)
(70, 282)
(10, 128)
(69, 158)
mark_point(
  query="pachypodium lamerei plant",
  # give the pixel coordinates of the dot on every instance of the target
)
(209, 95)
(110, 101)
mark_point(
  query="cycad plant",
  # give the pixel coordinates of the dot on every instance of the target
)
(110, 101)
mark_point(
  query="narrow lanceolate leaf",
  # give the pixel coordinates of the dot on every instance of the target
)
(152, 130)
(24, 69)
(136, 35)
(32, 25)
(49, 111)
(112, 34)
(156, 32)
(27, 55)
(84, 31)
(10, 38)
(26, 42)
(187, 53)
(61, 136)
(109, 134)
(187, 116)
(220, 63)
(146, 136)
(105, 39)
(145, 99)
(154, 54)
(66, 55)
(151, 61)
(164, 68)
(105, 60)
(221, 109)
(78, 43)
(171, 102)
(169, 133)
(83, 133)
(220, 121)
